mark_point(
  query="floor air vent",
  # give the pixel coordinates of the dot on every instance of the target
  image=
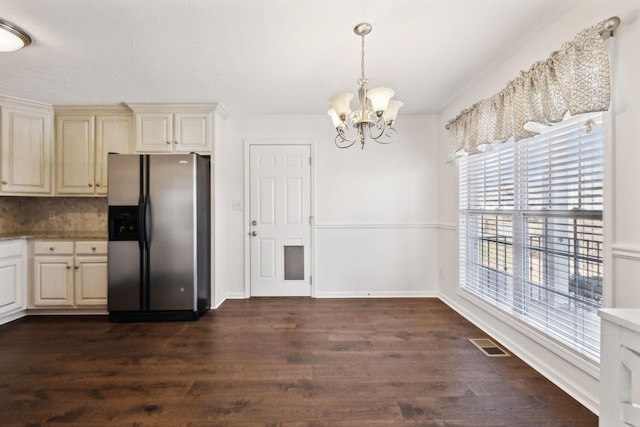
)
(489, 348)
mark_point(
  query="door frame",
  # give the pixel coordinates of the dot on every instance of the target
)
(247, 201)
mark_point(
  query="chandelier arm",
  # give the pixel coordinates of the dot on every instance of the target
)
(389, 134)
(379, 127)
(341, 140)
(385, 134)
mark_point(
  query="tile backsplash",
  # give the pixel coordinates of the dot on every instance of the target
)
(38, 214)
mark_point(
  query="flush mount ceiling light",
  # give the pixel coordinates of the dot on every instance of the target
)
(375, 114)
(12, 38)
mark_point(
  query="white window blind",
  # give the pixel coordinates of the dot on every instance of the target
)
(531, 230)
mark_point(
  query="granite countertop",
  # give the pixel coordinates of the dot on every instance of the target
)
(76, 235)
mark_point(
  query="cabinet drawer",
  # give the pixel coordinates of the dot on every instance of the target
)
(53, 248)
(10, 249)
(91, 248)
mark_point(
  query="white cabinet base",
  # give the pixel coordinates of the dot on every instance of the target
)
(91, 280)
(68, 276)
(53, 281)
(12, 280)
(620, 368)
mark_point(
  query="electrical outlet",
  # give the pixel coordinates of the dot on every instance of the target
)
(236, 205)
(442, 274)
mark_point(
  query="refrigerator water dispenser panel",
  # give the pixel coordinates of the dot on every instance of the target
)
(123, 223)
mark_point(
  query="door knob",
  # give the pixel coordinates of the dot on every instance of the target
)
(254, 233)
(254, 222)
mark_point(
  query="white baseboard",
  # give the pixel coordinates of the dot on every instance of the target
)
(416, 294)
(67, 312)
(12, 316)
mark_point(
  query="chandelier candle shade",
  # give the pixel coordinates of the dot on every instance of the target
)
(375, 114)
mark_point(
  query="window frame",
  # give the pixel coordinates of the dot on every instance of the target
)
(509, 312)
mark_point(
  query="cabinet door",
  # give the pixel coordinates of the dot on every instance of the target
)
(91, 281)
(75, 155)
(26, 151)
(154, 132)
(192, 132)
(113, 135)
(53, 281)
(10, 284)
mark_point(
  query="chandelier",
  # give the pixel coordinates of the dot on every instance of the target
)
(374, 116)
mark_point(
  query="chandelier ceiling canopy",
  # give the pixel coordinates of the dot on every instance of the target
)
(375, 114)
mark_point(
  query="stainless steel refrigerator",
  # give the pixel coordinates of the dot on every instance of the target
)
(159, 223)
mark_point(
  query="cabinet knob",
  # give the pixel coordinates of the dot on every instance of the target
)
(168, 142)
(51, 248)
(93, 248)
(90, 185)
(176, 142)
(76, 267)
(254, 233)
(98, 184)
(68, 267)
(4, 182)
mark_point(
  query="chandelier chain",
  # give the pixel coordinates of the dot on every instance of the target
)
(362, 59)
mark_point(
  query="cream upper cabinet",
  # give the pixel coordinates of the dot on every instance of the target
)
(83, 142)
(154, 132)
(176, 128)
(75, 146)
(26, 147)
(113, 135)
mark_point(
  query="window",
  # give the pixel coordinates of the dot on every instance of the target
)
(531, 230)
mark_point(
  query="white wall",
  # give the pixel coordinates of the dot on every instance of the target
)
(375, 213)
(622, 204)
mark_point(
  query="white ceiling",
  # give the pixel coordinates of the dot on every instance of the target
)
(261, 56)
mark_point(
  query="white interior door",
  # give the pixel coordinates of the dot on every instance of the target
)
(279, 215)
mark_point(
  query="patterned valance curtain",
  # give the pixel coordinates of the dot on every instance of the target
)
(575, 78)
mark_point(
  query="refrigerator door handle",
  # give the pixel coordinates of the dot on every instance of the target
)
(141, 222)
(147, 220)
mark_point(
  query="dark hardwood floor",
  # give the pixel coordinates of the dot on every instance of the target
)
(273, 362)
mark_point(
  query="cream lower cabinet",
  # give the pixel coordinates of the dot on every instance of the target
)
(69, 274)
(12, 279)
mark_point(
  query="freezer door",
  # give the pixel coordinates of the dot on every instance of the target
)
(172, 232)
(125, 178)
(125, 291)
